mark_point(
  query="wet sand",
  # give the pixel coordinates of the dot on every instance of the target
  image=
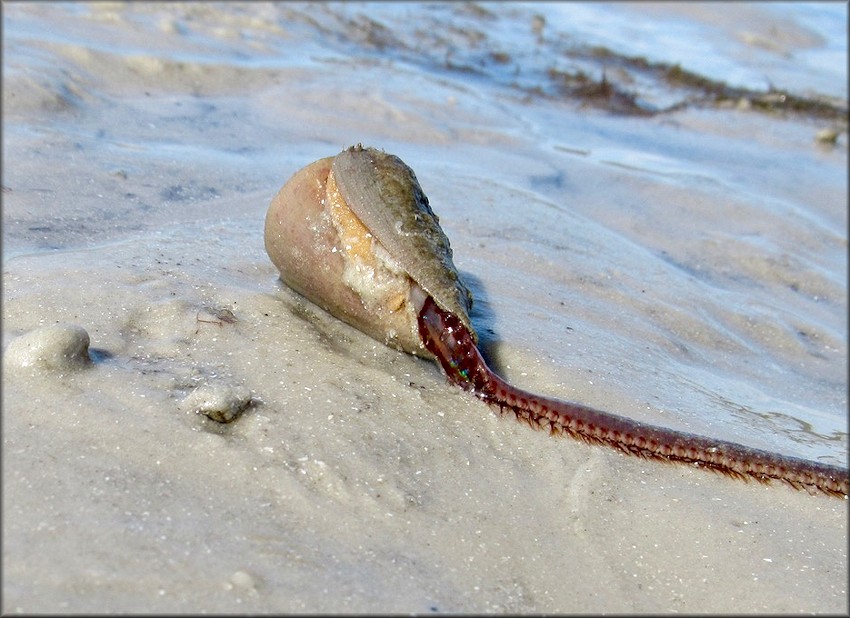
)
(687, 269)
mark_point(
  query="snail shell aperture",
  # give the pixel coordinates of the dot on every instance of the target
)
(355, 235)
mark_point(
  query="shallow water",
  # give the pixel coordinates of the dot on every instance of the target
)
(675, 252)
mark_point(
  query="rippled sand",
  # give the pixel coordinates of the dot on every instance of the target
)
(686, 268)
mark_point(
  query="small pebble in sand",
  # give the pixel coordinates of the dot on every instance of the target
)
(60, 347)
(242, 580)
(827, 136)
(219, 402)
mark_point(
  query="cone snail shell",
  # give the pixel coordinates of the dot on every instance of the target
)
(355, 235)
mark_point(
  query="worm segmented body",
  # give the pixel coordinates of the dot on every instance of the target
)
(450, 342)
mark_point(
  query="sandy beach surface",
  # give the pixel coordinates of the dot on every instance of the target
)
(668, 249)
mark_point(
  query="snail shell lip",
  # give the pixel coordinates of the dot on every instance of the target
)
(386, 197)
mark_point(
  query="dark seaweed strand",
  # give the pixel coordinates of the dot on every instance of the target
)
(445, 336)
